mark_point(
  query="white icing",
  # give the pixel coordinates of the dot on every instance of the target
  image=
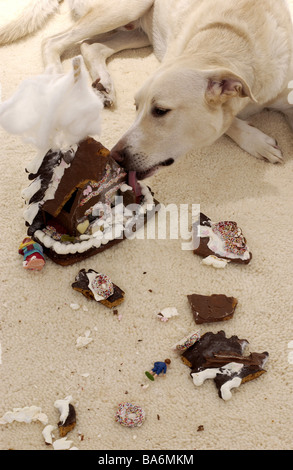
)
(34, 187)
(35, 164)
(48, 433)
(58, 172)
(31, 212)
(62, 444)
(167, 313)
(74, 306)
(63, 408)
(215, 262)
(83, 340)
(227, 386)
(24, 415)
(210, 373)
(200, 377)
(125, 187)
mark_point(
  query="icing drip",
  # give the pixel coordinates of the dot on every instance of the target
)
(45, 184)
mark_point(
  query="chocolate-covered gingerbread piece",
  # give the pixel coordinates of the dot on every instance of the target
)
(214, 356)
(233, 374)
(99, 287)
(223, 239)
(201, 354)
(212, 308)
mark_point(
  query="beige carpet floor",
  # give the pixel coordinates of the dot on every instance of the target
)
(40, 362)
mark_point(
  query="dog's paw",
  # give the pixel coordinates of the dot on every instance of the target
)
(107, 94)
(255, 142)
(266, 148)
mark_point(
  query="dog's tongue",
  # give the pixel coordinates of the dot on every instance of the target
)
(132, 181)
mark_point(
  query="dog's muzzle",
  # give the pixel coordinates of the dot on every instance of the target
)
(137, 162)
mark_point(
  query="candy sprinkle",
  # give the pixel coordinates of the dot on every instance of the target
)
(232, 236)
(187, 342)
(102, 285)
(130, 415)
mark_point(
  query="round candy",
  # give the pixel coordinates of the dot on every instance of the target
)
(130, 415)
(102, 286)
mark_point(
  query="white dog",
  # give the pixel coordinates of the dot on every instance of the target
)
(220, 60)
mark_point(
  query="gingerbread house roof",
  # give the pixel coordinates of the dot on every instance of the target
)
(88, 164)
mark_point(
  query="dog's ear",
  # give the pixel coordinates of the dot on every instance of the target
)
(223, 85)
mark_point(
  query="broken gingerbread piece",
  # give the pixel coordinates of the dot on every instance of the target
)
(67, 415)
(233, 374)
(223, 239)
(97, 286)
(212, 308)
(220, 358)
(69, 423)
(201, 354)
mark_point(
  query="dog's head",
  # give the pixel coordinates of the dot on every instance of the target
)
(179, 109)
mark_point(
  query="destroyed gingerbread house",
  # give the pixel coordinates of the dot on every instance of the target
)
(71, 202)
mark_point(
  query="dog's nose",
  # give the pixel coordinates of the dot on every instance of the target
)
(168, 162)
(118, 156)
(118, 152)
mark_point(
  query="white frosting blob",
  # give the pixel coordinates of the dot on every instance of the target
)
(24, 415)
(210, 373)
(215, 262)
(63, 408)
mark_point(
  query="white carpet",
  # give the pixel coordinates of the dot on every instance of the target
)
(40, 362)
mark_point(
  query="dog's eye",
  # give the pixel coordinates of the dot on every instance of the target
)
(158, 112)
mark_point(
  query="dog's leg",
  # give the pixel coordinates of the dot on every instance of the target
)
(105, 16)
(95, 57)
(254, 141)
